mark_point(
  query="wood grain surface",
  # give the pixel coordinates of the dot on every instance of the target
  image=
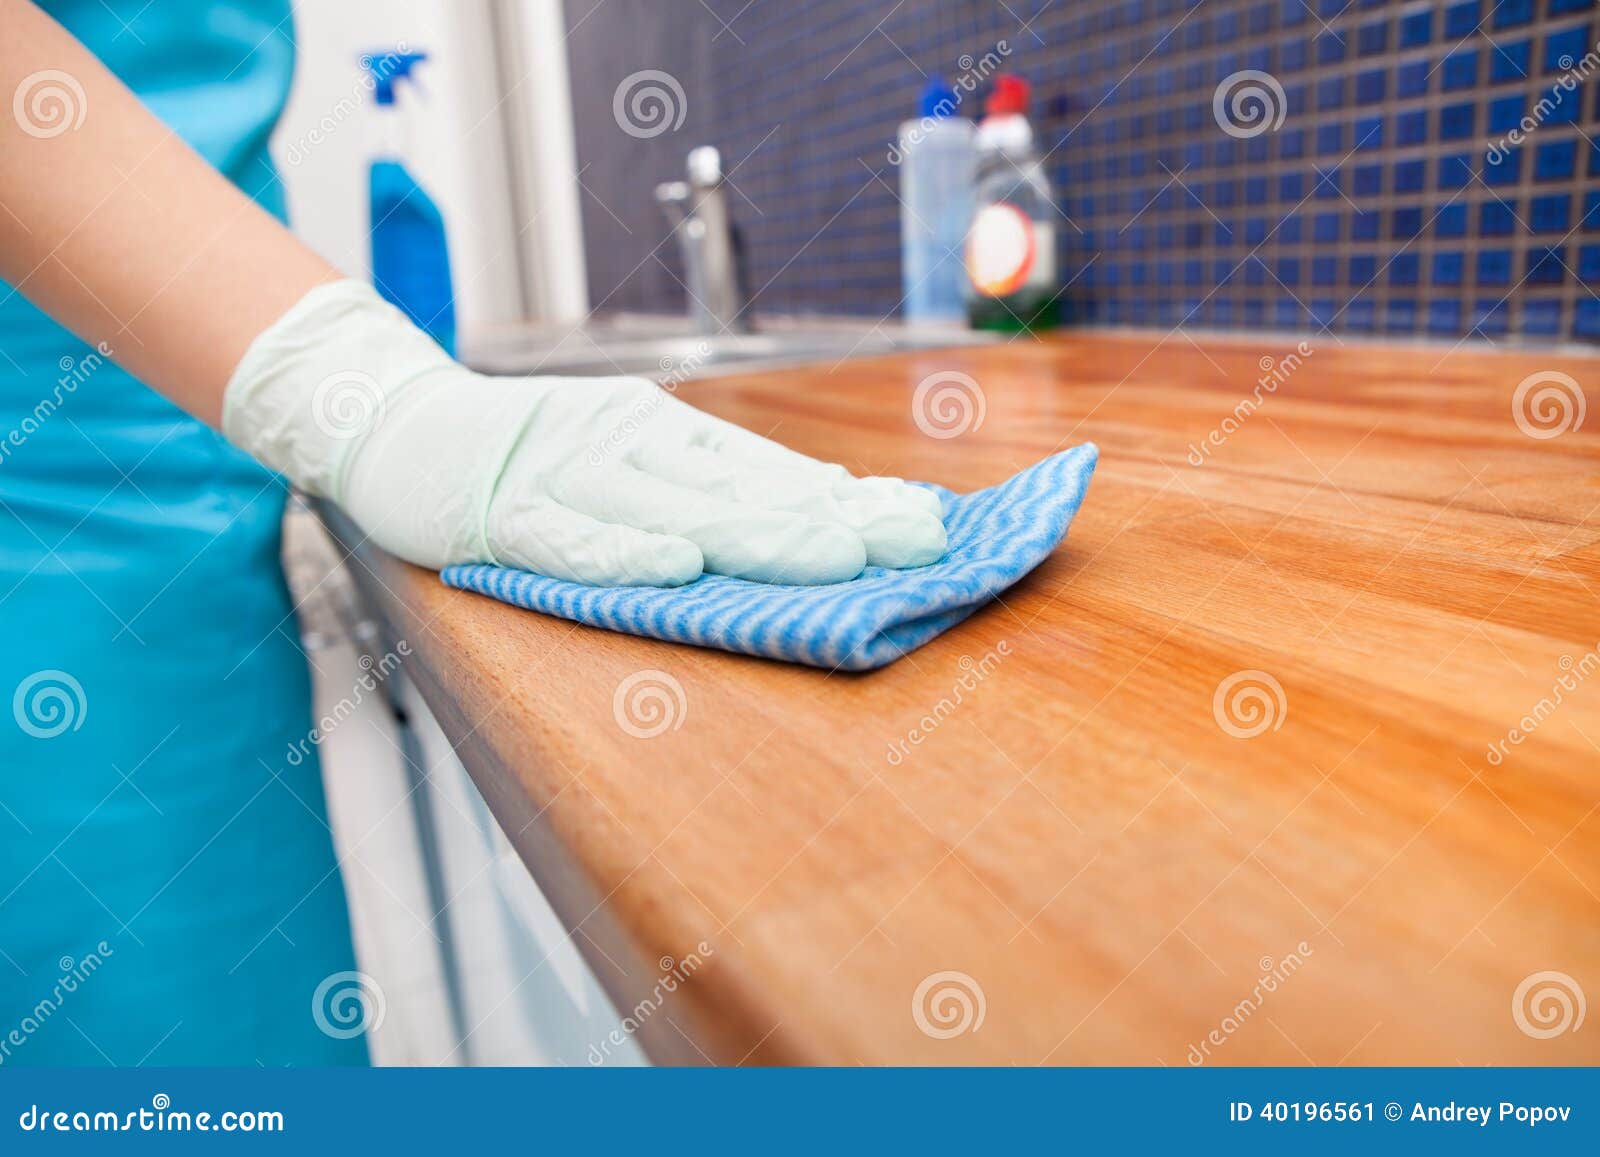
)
(1095, 853)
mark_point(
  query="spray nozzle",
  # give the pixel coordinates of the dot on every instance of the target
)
(388, 69)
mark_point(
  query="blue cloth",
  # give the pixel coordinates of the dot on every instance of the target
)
(168, 888)
(996, 536)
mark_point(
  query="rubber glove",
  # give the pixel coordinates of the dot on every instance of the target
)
(606, 481)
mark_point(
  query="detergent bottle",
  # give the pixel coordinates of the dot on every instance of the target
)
(1011, 244)
(938, 161)
(410, 255)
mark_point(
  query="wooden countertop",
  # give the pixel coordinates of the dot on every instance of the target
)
(1121, 878)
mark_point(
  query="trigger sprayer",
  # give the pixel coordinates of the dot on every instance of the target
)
(410, 250)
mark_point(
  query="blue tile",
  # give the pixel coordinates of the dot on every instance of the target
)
(1416, 29)
(1507, 170)
(1455, 171)
(1589, 263)
(1505, 114)
(1363, 269)
(1546, 265)
(1410, 176)
(1411, 78)
(1496, 219)
(1450, 221)
(1447, 268)
(1494, 267)
(1541, 318)
(1403, 269)
(1365, 226)
(1371, 86)
(1490, 316)
(1373, 38)
(1555, 160)
(1411, 128)
(1367, 182)
(1405, 223)
(1460, 70)
(1325, 228)
(1587, 322)
(1461, 20)
(1551, 213)
(1444, 317)
(1512, 13)
(1457, 121)
(1564, 49)
(1509, 62)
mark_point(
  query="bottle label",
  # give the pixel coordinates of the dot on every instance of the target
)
(1007, 251)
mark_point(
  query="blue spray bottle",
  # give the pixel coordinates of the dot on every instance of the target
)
(410, 256)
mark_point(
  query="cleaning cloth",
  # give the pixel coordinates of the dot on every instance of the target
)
(996, 536)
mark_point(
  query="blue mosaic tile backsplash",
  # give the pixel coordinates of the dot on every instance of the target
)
(1427, 168)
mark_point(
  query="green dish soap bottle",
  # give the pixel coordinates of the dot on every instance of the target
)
(1011, 244)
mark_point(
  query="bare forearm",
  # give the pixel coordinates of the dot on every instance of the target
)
(119, 231)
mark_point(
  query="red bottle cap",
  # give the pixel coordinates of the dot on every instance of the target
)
(1009, 96)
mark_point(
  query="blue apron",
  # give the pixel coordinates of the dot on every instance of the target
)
(168, 888)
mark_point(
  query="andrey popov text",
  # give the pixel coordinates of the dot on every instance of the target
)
(1449, 1113)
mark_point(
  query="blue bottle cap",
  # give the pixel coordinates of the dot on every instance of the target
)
(938, 98)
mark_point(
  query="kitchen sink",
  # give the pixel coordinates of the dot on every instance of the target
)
(667, 348)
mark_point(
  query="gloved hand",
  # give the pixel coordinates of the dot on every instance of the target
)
(606, 481)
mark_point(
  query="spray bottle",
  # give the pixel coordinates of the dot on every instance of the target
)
(410, 255)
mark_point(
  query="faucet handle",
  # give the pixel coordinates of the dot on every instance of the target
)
(705, 166)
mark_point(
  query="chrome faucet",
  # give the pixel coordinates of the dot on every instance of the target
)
(698, 210)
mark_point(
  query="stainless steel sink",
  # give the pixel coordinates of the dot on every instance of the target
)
(664, 347)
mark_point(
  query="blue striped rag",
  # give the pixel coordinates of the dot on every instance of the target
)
(996, 536)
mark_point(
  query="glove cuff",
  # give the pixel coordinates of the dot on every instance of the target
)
(314, 385)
